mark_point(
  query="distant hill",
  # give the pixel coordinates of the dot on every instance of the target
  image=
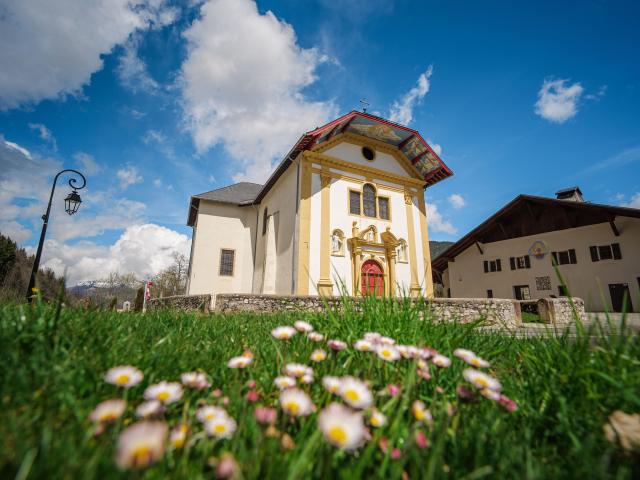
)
(437, 247)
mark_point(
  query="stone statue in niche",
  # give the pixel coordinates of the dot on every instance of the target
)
(337, 243)
(371, 236)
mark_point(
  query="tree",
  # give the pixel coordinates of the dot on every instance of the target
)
(7, 255)
(173, 279)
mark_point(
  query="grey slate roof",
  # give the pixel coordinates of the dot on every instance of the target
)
(237, 194)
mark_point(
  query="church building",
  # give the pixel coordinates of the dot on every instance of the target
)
(343, 212)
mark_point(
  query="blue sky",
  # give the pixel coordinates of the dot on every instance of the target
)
(162, 100)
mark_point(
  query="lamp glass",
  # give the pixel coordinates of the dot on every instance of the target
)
(72, 203)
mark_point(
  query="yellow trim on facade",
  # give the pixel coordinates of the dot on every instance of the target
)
(369, 179)
(304, 229)
(325, 285)
(426, 252)
(414, 287)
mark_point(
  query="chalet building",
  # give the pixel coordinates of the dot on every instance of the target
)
(344, 209)
(511, 254)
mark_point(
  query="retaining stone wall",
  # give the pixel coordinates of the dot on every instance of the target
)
(559, 312)
(185, 303)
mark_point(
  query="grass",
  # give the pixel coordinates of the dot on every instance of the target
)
(528, 317)
(53, 361)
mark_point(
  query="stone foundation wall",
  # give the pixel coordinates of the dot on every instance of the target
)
(559, 312)
(496, 312)
(185, 303)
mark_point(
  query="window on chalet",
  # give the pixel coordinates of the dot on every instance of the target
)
(489, 293)
(520, 262)
(564, 257)
(492, 266)
(368, 203)
(605, 252)
(227, 258)
(369, 200)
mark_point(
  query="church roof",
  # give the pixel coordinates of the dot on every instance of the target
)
(243, 193)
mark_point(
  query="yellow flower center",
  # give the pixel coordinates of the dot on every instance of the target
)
(220, 428)
(141, 456)
(162, 396)
(292, 407)
(122, 379)
(386, 353)
(178, 442)
(475, 362)
(419, 414)
(108, 417)
(210, 416)
(376, 421)
(352, 395)
(337, 435)
(482, 382)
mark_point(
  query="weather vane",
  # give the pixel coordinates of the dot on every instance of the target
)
(364, 104)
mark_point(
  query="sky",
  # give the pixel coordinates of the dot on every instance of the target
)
(158, 100)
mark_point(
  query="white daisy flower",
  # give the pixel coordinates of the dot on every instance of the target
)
(240, 362)
(303, 327)
(209, 412)
(315, 336)
(141, 444)
(318, 355)
(178, 435)
(222, 426)
(149, 409)
(422, 364)
(386, 341)
(336, 344)
(342, 427)
(108, 411)
(403, 350)
(166, 392)
(478, 362)
(296, 402)
(363, 346)
(413, 351)
(195, 380)
(463, 353)
(441, 361)
(332, 384)
(420, 412)
(124, 376)
(297, 370)
(284, 382)
(355, 392)
(306, 379)
(481, 380)
(387, 353)
(283, 333)
(377, 419)
(372, 337)
(490, 394)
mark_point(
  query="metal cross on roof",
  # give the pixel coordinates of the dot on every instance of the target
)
(364, 104)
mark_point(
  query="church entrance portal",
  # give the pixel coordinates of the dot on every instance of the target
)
(372, 279)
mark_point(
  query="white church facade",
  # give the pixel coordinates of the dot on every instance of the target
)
(343, 212)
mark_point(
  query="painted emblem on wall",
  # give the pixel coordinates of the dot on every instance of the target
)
(539, 250)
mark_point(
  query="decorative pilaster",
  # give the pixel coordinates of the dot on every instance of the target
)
(304, 227)
(325, 285)
(414, 287)
(426, 252)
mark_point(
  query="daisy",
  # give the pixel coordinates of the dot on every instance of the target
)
(315, 336)
(372, 337)
(355, 392)
(481, 380)
(303, 327)
(166, 392)
(377, 419)
(195, 380)
(141, 444)
(149, 409)
(283, 333)
(387, 353)
(209, 412)
(284, 382)
(318, 355)
(463, 353)
(307, 379)
(363, 346)
(478, 362)
(178, 435)
(239, 362)
(124, 376)
(108, 411)
(295, 402)
(342, 427)
(331, 384)
(297, 370)
(413, 351)
(420, 412)
(403, 350)
(386, 341)
(490, 394)
(336, 344)
(441, 361)
(222, 426)
(265, 415)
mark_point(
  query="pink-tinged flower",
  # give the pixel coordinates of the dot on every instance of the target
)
(265, 415)
(509, 405)
(318, 355)
(209, 412)
(315, 336)
(222, 426)
(441, 361)
(108, 411)
(178, 435)
(166, 392)
(439, 389)
(383, 444)
(297, 370)
(478, 362)
(364, 346)
(240, 362)
(424, 373)
(225, 400)
(307, 379)
(372, 337)
(124, 376)
(490, 394)
(377, 419)
(303, 327)
(393, 389)
(395, 453)
(150, 409)
(331, 384)
(251, 384)
(481, 380)
(247, 353)
(253, 396)
(217, 393)
(403, 350)
(463, 353)
(355, 392)
(388, 353)
(227, 467)
(386, 341)
(420, 412)
(427, 352)
(283, 333)
(336, 344)
(285, 382)
(342, 427)
(195, 380)
(421, 440)
(465, 394)
(296, 402)
(141, 444)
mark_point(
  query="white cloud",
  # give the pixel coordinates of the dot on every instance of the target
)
(625, 157)
(132, 71)
(557, 102)
(242, 84)
(634, 202)
(402, 110)
(128, 176)
(45, 134)
(457, 201)
(143, 249)
(50, 49)
(15, 231)
(160, 141)
(87, 163)
(157, 182)
(436, 222)
(435, 146)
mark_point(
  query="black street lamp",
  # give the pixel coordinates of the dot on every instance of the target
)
(71, 205)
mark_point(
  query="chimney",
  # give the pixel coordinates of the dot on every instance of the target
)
(572, 194)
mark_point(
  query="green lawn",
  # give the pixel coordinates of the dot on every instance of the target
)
(52, 378)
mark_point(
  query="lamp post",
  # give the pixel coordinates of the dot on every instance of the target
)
(71, 204)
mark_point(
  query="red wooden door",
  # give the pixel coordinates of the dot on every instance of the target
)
(372, 279)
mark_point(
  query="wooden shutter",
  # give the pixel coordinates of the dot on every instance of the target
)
(354, 202)
(527, 261)
(383, 208)
(572, 256)
(617, 254)
(369, 200)
(594, 254)
(486, 266)
(498, 265)
(512, 261)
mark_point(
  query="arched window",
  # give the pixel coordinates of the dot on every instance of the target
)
(369, 200)
(401, 254)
